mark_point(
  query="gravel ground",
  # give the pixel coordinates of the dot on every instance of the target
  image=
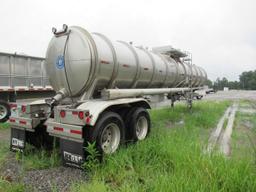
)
(58, 179)
(11, 170)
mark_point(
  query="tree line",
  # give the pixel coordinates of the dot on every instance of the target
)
(247, 81)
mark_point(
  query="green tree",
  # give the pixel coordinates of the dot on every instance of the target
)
(248, 80)
(209, 83)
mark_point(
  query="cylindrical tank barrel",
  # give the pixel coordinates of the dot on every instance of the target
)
(78, 60)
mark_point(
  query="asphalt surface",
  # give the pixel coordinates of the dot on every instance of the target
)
(231, 95)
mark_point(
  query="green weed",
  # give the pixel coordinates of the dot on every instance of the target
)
(32, 159)
(4, 150)
(92, 158)
(94, 185)
(172, 158)
(6, 186)
(4, 126)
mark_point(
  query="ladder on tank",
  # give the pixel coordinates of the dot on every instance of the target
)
(189, 97)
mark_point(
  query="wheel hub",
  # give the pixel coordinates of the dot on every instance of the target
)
(3, 112)
(141, 128)
(110, 138)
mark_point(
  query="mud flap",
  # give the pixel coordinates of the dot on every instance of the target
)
(72, 153)
(18, 139)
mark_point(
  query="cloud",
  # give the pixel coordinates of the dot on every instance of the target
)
(220, 34)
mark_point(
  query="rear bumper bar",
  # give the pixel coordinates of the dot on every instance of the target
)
(65, 131)
(24, 123)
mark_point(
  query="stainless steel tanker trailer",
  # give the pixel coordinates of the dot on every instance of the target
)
(106, 84)
(21, 77)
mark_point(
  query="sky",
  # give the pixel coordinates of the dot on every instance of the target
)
(220, 34)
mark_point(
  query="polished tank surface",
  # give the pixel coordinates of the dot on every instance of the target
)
(78, 61)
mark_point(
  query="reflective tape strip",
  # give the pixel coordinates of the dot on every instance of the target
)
(63, 130)
(22, 122)
(26, 89)
(12, 120)
(74, 112)
(76, 132)
(58, 128)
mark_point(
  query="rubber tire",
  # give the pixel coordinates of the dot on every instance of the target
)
(131, 120)
(104, 119)
(6, 105)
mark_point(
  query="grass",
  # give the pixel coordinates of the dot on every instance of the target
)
(244, 134)
(4, 126)
(6, 186)
(172, 158)
(33, 159)
(4, 149)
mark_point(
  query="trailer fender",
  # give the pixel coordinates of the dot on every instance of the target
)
(96, 107)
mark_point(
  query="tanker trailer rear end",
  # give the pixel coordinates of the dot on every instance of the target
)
(107, 83)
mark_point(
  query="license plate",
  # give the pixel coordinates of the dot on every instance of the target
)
(17, 143)
(72, 157)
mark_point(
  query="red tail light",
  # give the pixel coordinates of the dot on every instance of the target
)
(13, 105)
(23, 108)
(81, 115)
(62, 114)
(88, 119)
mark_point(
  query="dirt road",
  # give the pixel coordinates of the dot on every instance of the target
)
(221, 135)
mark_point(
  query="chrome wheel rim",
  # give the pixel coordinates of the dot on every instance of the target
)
(110, 138)
(141, 128)
(3, 112)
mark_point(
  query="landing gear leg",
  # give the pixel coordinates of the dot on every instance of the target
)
(189, 98)
(190, 103)
(172, 98)
(172, 102)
